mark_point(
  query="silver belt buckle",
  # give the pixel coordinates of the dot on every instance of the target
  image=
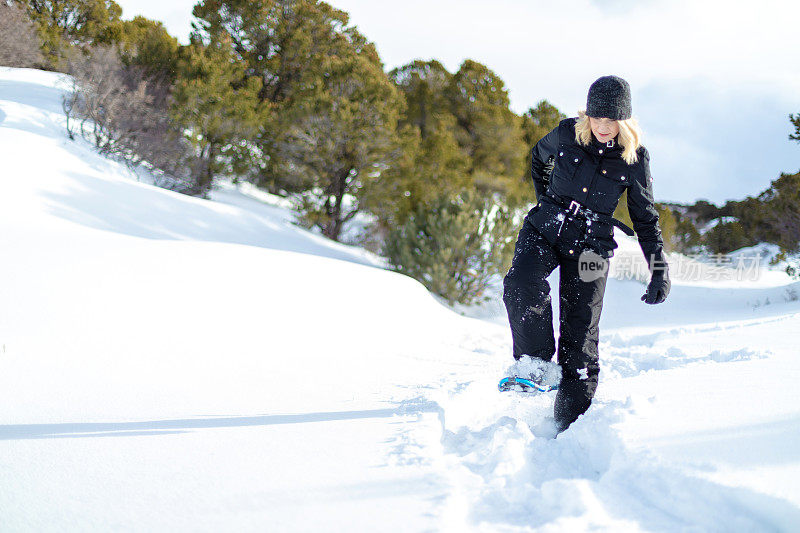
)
(574, 207)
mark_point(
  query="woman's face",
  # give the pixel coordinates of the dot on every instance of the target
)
(604, 129)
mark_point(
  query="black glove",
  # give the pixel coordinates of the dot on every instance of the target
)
(658, 288)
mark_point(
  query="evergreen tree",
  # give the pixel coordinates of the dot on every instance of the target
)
(443, 219)
(488, 132)
(424, 85)
(454, 245)
(536, 123)
(218, 105)
(430, 162)
(283, 42)
(147, 44)
(63, 24)
(284, 45)
(333, 111)
(687, 237)
(705, 211)
(795, 120)
(781, 211)
(725, 237)
(343, 138)
(752, 213)
(539, 121)
(668, 224)
(427, 168)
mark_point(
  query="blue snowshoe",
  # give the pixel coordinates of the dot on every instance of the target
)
(532, 375)
(523, 385)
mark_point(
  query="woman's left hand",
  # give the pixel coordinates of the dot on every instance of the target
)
(657, 289)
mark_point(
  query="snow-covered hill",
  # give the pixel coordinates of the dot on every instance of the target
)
(169, 363)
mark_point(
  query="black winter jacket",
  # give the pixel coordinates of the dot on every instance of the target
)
(595, 176)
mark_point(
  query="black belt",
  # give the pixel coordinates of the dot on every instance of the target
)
(576, 209)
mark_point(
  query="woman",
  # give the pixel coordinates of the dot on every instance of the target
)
(579, 171)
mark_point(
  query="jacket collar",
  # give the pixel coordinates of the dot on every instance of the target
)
(604, 146)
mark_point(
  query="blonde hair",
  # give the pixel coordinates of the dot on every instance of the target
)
(630, 135)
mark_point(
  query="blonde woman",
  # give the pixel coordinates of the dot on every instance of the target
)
(579, 171)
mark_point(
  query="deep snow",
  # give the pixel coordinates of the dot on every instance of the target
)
(174, 363)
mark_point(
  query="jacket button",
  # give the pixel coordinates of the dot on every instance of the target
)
(622, 177)
(584, 189)
(604, 171)
(560, 153)
(601, 150)
(576, 159)
(570, 251)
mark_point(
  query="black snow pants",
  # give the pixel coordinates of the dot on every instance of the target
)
(527, 298)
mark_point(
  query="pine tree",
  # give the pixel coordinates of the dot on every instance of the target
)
(147, 44)
(725, 237)
(431, 163)
(284, 45)
(687, 236)
(424, 85)
(795, 120)
(488, 132)
(781, 211)
(669, 225)
(333, 111)
(343, 137)
(63, 24)
(218, 105)
(427, 168)
(536, 123)
(539, 121)
(454, 245)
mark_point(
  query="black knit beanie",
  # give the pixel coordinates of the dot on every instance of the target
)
(610, 97)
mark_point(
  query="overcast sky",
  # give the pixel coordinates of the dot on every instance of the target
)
(713, 82)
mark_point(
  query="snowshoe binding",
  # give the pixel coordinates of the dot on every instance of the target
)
(531, 375)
